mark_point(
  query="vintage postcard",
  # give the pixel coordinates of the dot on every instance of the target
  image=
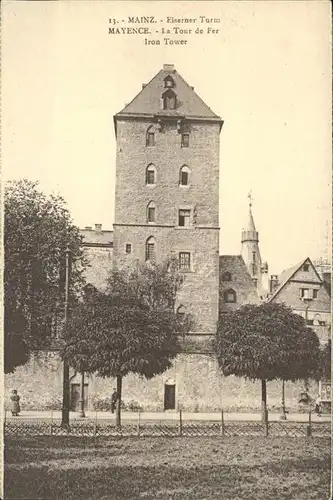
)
(167, 249)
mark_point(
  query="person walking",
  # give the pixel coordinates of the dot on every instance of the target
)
(318, 405)
(114, 399)
(15, 403)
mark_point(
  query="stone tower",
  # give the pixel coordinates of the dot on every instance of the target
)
(251, 255)
(167, 189)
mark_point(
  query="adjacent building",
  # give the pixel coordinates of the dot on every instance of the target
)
(305, 292)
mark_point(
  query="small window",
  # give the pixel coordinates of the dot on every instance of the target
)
(184, 176)
(150, 136)
(309, 322)
(169, 82)
(229, 296)
(306, 267)
(315, 293)
(150, 249)
(181, 311)
(185, 260)
(185, 140)
(184, 218)
(169, 99)
(151, 214)
(304, 293)
(316, 320)
(184, 179)
(128, 248)
(226, 276)
(151, 175)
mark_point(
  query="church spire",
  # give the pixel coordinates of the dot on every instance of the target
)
(250, 233)
(251, 252)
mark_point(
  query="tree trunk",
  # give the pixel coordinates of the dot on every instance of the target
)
(118, 405)
(263, 400)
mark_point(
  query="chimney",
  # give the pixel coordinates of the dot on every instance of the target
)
(98, 228)
(144, 85)
(273, 283)
(168, 67)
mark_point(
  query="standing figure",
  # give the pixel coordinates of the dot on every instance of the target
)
(317, 405)
(15, 403)
(114, 399)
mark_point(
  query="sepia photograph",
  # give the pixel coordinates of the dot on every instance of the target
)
(166, 236)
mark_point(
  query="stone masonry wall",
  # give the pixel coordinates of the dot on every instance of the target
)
(133, 157)
(199, 387)
(199, 294)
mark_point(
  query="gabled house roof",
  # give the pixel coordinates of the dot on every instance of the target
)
(288, 274)
(147, 102)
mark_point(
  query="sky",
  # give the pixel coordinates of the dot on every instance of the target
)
(267, 73)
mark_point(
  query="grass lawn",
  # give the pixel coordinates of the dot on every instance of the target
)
(232, 468)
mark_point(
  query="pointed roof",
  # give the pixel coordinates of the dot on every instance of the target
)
(287, 274)
(250, 225)
(147, 103)
(250, 233)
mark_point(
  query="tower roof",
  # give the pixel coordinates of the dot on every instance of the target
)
(249, 233)
(147, 103)
(250, 225)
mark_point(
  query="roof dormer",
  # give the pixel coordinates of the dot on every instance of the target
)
(169, 82)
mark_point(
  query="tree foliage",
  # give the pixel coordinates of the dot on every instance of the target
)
(266, 342)
(38, 229)
(130, 329)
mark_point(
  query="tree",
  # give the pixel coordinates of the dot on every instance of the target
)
(266, 342)
(325, 362)
(130, 329)
(38, 229)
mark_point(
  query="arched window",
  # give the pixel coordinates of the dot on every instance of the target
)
(151, 212)
(169, 99)
(150, 136)
(229, 296)
(151, 174)
(169, 82)
(150, 249)
(184, 176)
(226, 276)
(181, 311)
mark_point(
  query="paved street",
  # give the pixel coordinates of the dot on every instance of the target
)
(169, 415)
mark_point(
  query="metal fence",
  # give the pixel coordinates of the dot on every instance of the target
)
(168, 428)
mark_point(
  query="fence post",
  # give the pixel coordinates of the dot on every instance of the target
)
(222, 424)
(138, 426)
(95, 425)
(309, 429)
(51, 422)
(266, 423)
(180, 423)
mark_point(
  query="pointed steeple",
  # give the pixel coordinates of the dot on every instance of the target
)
(251, 226)
(251, 253)
(250, 233)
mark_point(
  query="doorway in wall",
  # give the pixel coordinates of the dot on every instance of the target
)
(170, 395)
(75, 397)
